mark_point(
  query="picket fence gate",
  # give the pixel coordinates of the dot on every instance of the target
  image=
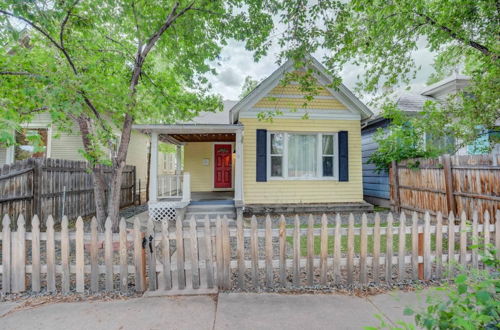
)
(180, 259)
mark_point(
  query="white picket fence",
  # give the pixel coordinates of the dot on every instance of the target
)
(177, 258)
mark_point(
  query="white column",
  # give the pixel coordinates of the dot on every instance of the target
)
(153, 170)
(178, 159)
(186, 188)
(238, 170)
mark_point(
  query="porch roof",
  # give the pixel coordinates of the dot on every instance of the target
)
(188, 128)
(182, 133)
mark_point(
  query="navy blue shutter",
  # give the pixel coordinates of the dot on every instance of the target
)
(343, 156)
(261, 155)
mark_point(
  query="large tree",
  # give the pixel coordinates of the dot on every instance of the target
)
(101, 65)
(383, 36)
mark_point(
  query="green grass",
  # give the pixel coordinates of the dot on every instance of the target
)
(357, 242)
(380, 209)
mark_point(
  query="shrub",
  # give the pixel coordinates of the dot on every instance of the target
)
(471, 301)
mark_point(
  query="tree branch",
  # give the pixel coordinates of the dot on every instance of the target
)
(65, 20)
(209, 12)
(13, 73)
(140, 58)
(158, 87)
(483, 49)
(33, 25)
(170, 19)
(44, 33)
(121, 45)
(61, 48)
(40, 109)
(138, 31)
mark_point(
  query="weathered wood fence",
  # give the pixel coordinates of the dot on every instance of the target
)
(178, 258)
(446, 184)
(46, 186)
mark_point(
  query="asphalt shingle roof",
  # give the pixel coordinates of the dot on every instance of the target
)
(221, 117)
(412, 102)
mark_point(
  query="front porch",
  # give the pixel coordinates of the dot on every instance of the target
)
(208, 168)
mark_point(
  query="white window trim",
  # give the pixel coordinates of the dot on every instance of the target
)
(9, 159)
(319, 155)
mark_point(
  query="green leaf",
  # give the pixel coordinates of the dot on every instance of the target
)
(462, 288)
(408, 311)
(483, 296)
(461, 278)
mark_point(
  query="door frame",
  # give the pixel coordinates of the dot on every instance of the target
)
(213, 167)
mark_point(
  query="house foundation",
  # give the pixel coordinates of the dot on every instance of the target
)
(277, 209)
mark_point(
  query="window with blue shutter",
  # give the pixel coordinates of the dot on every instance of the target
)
(261, 175)
(343, 156)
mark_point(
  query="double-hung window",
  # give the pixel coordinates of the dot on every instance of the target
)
(302, 156)
(276, 154)
(31, 142)
(328, 155)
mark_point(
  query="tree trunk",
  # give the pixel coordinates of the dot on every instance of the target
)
(99, 196)
(114, 197)
(84, 124)
(117, 170)
(119, 160)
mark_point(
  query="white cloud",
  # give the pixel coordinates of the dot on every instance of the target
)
(236, 63)
(229, 77)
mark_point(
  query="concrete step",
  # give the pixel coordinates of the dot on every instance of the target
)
(211, 214)
(199, 208)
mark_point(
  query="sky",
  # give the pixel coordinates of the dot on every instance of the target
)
(237, 63)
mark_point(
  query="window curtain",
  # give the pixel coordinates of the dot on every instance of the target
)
(302, 155)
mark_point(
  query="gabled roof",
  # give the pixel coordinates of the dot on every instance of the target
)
(456, 81)
(342, 93)
(412, 103)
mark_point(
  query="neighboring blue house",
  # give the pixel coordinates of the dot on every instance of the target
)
(376, 185)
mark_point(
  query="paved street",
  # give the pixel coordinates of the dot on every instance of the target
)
(225, 311)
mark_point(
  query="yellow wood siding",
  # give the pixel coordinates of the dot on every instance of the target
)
(303, 191)
(67, 145)
(137, 156)
(201, 175)
(296, 103)
(295, 90)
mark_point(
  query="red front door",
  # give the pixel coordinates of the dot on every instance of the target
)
(222, 166)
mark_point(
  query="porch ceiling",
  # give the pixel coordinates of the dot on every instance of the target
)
(207, 137)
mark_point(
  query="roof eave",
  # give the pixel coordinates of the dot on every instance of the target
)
(348, 96)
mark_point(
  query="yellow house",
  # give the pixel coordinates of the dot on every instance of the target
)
(307, 158)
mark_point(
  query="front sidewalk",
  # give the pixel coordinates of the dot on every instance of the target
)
(227, 311)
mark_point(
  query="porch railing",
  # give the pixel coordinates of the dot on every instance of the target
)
(174, 186)
(170, 185)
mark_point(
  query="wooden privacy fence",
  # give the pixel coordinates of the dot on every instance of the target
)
(447, 184)
(46, 186)
(175, 257)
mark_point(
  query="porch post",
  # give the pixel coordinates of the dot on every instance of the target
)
(153, 171)
(238, 170)
(178, 160)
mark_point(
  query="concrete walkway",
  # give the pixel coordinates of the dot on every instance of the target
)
(227, 311)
